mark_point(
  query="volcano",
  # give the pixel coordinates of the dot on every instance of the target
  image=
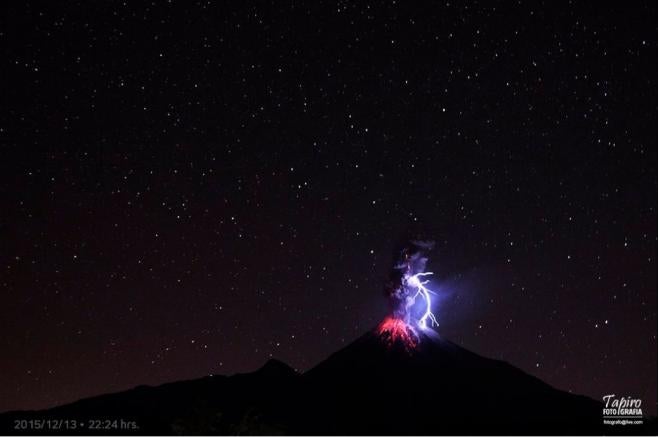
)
(375, 385)
(436, 387)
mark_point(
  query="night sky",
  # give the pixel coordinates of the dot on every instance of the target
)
(191, 188)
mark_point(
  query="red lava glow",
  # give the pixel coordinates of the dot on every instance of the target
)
(394, 330)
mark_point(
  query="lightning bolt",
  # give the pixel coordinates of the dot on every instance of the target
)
(424, 292)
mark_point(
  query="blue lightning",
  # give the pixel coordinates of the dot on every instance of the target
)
(424, 292)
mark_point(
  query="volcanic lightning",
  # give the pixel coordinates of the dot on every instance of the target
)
(424, 292)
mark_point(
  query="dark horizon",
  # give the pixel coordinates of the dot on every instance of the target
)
(343, 396)
(192, 189)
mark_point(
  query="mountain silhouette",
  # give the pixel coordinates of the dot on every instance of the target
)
(372, 386)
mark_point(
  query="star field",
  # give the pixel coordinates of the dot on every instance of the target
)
(193, 188)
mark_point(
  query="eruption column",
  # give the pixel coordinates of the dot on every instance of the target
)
(405, 286)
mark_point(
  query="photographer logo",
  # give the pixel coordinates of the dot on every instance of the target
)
(622, 410)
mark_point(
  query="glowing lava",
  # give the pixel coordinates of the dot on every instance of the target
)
(394, 330)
